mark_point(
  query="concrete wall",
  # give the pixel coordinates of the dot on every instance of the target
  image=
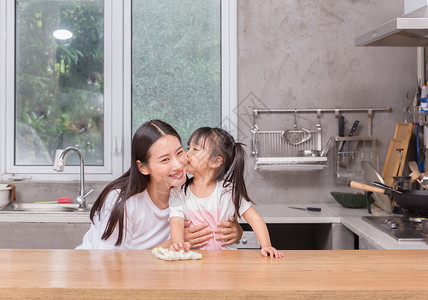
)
(301, 54)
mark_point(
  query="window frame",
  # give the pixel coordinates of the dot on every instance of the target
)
(117, 92)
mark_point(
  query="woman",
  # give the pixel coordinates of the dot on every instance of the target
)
(132, 211)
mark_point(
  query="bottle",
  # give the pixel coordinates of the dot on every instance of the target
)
(424, 103)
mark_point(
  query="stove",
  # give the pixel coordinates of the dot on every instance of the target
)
(398, 228)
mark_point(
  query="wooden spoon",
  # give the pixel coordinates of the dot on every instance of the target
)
(414, 166)
(416, 175)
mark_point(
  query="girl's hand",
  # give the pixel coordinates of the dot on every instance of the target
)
(272, 252)
(228, 233)
(180, 246)
(198, 235)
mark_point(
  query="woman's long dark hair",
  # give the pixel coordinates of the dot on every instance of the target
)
(132, 182)
(220, 143)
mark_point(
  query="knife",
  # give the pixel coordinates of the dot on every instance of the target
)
(307, 208)
(351, 133)
(341, 122)
(341, 126)
(354, 128)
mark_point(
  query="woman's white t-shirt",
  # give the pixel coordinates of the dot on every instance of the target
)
(146, 225)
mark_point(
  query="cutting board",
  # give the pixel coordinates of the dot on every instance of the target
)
(401, 139)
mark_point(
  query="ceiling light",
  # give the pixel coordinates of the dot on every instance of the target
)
(62, 34)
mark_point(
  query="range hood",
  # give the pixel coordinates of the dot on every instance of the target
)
(409, 30)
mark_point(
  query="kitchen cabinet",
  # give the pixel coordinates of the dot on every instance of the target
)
(334, 227)
(48, 235)
(367, 244)
(313, 236)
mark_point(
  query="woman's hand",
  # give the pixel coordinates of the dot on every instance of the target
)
(198, 235)
(228, 233)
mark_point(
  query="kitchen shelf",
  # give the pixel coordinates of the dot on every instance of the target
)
(291, 163)
(415, 116)
(349, 152)
(273, 152)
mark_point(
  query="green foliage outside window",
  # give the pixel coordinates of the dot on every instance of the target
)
(176, 65)
(59, 83)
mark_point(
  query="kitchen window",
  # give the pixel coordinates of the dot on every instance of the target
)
(90, 72)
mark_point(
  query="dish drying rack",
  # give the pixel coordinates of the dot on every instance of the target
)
(273, 153)
(414, 115)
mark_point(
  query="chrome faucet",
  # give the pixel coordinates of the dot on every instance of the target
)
(59, 165)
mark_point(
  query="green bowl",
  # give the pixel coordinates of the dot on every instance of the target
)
(350, 200)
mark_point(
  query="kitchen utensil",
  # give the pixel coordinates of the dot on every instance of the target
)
(341, 126)
(403, 131)
(424, 181)
(385, 187)
(296, 135)
(309, 153)
(418, 151)
(415, 201)
(402, 183)
(351, 200)
(413, 166)
(346, 156)
(326, 147)
(371, 175)
(351, 133)
(415, 175)
(415, 169)
(4, 196)
(400, 166)
(341, 130)
(62, 200)
(6, 191)
(397, 152)
(319, 129)
(392, 161)
(306, 208)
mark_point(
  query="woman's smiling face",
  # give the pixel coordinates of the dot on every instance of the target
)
(167, 162)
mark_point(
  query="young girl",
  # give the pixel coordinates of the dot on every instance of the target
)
(217, 191)
(132, 211)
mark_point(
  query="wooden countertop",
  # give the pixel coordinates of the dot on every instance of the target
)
(107, 274)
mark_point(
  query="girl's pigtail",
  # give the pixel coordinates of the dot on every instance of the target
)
(235, 177)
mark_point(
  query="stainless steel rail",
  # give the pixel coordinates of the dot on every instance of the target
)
(318, 111)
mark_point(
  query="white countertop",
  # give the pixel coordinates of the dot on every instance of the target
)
(335, 213)
(271, 213)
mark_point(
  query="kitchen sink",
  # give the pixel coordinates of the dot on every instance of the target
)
(43, 208)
